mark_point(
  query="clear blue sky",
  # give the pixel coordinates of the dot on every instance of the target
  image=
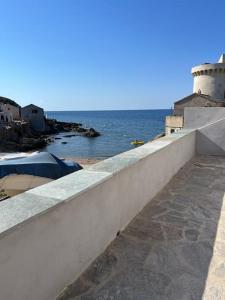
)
(105, 54)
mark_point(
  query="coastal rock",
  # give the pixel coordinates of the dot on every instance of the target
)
(80, 129)
(69, 135)
(55, 126)
(92, 133)
(25, 144)
(19, 136)
(28, 144)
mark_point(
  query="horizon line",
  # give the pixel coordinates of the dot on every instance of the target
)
(143, 109)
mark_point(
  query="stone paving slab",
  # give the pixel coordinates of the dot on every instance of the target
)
(173, 250)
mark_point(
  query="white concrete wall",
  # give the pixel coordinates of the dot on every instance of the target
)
(195, 117)
(211, 139)
(49, 235)
(13, 110)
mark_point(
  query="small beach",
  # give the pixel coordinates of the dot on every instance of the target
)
(84, 162)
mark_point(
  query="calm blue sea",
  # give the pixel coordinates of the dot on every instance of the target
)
(118, 129)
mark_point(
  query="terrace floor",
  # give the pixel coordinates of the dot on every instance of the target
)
(174, 249)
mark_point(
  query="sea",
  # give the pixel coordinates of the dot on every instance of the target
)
(118, 129)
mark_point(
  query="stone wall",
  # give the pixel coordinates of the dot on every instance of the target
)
(35, 116)
(197, 101)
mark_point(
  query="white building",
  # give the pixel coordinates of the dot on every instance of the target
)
(209, 79)
(9, 110)
(5, 117)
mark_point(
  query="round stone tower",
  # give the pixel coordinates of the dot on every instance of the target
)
(209, 79)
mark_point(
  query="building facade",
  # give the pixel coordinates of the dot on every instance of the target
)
(195, 100)
(5, 117)
(9, 110)
(173, 124)
(35, 116)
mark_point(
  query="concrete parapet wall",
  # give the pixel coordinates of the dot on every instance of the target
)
(51, 234)
(211, 139)
(195, 117)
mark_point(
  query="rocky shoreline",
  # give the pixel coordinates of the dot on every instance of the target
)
(19, 136)
(59, 126)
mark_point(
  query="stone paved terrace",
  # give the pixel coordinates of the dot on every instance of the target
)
(174, 249)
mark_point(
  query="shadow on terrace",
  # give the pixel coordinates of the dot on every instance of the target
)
(166, 252)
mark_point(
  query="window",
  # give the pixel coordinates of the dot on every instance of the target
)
(172, 130)
(34, 111)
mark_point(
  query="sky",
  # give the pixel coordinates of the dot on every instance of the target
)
(106, 54)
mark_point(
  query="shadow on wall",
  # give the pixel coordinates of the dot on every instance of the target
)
(208, 146)
(211, 139)
(166, 251)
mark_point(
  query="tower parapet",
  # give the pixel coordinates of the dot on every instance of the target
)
(209, 79)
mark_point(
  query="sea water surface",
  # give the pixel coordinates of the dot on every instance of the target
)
(117, 128)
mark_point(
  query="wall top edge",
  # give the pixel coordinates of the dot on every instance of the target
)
(208, 67)
(23, 208)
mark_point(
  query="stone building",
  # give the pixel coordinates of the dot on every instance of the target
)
(173, 124)
(9, 110)
(35, 116)
(195, 100)
(209, 79)
(5, 117)
(208, 91)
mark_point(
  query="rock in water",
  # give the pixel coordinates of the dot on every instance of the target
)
(91, 133)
